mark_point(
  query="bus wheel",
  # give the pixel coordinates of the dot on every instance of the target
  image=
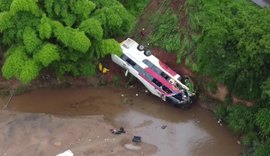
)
(147, 53)
(140, 47)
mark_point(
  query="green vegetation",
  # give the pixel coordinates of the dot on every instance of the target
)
(230, 42)
(135, 7)
(234, 43)
(66, 36)
(165, 26)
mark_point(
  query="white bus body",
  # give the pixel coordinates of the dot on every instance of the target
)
(157, 77)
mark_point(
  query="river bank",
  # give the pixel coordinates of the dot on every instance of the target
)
(188, 132)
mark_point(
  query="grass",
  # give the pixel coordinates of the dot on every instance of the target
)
(165, 34)
(135, 7)
(20, 90)
(4, 92)
(117, 81)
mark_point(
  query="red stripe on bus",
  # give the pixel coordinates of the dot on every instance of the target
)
(167, 69)
(152, 84)
(160, 79)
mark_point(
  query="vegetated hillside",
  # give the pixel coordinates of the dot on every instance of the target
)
(232, 45)
(228, 41)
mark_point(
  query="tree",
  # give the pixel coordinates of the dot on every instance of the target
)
(239, 119)
(234, 43)
(263, 122)
(67, 36)
(262, 150)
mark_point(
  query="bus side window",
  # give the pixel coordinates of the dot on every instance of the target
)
(155, 81)
(164, 75)
(129, 61)
(167, 90)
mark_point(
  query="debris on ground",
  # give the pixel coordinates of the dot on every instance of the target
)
(219, 122)
(137, 139)
(122, 95)
(146, 91)
(120, 131)
(164, 126)
(66, 153)
(137, 94)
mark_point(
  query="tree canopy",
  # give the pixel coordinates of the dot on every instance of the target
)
(234, 45)
(67, 36)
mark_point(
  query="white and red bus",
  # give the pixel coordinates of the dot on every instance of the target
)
(156, 76)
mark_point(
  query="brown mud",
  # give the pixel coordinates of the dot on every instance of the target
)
(190, 132)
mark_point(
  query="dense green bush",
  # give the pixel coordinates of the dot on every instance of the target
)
(135, 7)
(263, 122)
(240, 118)
(221, 111)
(234, 44)
(67, 36)
(262, 150)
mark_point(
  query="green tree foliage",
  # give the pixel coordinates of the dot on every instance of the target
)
(107, 46)
(67, 36)
(30, 39)
(135, 7)
(30, 71)
(48, 54)
(115, 20)
(5, 21)
(15, 62)
(220, 111)
(4, 5)
(44, 28)
(92, 28)
(239, 118)
(234, 44)
(24, 5)
(266, 91)
(262, 150)
(263, 122)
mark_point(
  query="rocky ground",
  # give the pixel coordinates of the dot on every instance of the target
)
(27, 134)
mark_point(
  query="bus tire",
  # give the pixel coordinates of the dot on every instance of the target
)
(147, 53)
(140, 47)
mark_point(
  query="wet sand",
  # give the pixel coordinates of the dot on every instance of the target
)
(192, 132)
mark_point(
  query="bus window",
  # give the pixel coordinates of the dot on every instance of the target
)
(152, 66)
(155, 81)
(164, 75)
(167, 90)
(128, 60)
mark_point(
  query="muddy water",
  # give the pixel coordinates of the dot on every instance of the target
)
(191, 132)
